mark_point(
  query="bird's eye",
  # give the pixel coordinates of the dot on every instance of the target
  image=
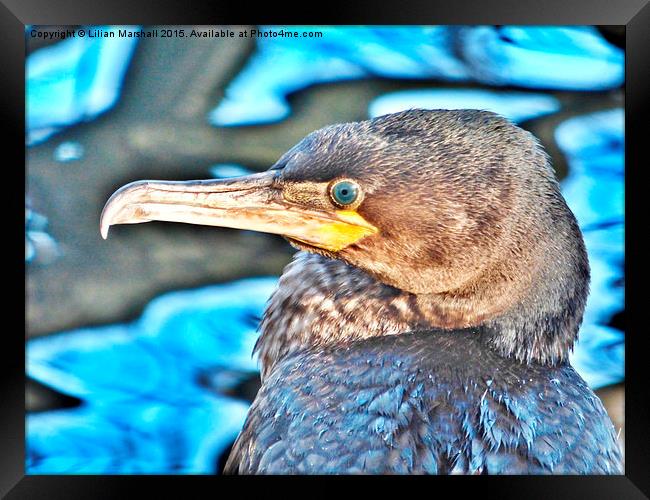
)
(344, 193)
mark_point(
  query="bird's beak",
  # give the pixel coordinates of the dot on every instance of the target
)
(252, 202)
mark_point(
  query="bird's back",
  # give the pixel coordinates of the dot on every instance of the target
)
(427, 402)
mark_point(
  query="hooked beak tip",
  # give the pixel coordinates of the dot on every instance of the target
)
(105, 221)
(111, 214)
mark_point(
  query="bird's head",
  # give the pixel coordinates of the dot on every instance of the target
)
(458, 204)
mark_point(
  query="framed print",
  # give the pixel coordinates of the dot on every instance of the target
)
(326, 247)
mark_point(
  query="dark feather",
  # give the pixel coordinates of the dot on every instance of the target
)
(430, 402)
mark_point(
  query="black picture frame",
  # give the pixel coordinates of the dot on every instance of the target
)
(634, 14)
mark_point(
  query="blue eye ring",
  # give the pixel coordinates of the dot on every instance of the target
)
(345, 192)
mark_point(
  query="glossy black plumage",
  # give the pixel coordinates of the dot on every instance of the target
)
(430, 402)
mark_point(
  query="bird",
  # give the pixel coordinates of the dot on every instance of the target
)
(425, 324)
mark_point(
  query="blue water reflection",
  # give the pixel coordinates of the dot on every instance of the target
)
(144, 409)
(68, 151)
(40, 247)
(227, 170)
(134, 436)
(516, 106)
(74, 80)
(594, 189)
(568, 58)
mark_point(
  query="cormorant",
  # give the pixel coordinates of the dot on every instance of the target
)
(426, 323)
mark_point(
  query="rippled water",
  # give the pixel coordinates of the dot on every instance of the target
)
(145, 410)
(39, 245)
(569, 58)
(74, 80)
(516, 106)
(594, 189)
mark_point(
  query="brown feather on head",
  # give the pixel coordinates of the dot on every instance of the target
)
(471, 227)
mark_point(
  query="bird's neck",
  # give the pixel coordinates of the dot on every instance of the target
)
(320, 301)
